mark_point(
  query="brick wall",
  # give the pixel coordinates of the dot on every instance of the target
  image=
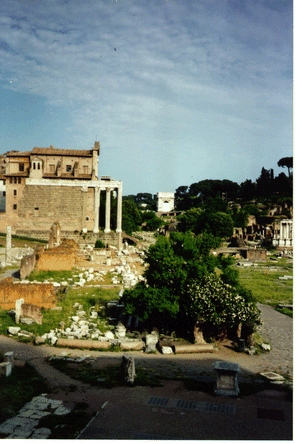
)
(55, 261)
(41, 295)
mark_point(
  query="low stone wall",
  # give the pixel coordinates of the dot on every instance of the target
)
(55, 261)
(41, 295)
(87, 238)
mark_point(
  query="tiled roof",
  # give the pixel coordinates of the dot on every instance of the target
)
(18, 154)
(61, 152)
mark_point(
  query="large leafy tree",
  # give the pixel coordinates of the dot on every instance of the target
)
(177, 289)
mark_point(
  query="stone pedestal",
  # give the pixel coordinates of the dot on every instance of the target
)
(127, 369)
(226, 381)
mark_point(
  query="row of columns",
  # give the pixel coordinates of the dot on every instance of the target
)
(108, 210)
(286, 229)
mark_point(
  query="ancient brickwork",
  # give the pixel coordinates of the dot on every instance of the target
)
(41, 295)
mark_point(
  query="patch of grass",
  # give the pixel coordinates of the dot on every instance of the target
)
(285, 311)
(18, 389)
(57, 276)
(108, 377)
(265, 284)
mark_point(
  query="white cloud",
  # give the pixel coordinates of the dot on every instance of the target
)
(180, 69)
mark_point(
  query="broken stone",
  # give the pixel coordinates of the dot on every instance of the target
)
(166, 350)
(109, 335)
(26, 321)
(13, 330)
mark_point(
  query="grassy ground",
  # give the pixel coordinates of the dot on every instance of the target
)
(263, 280)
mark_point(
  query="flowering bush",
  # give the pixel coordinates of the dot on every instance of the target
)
(219, 303)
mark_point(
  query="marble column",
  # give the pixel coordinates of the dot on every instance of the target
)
(119, 210)
(97, 209)
(108, 210)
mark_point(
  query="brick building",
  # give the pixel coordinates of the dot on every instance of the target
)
(46, 185)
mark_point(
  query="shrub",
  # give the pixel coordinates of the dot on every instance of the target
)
(99, 244)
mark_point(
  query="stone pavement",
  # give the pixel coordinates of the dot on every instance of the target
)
(25, 424)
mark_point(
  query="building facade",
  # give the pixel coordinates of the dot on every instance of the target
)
(47, 185)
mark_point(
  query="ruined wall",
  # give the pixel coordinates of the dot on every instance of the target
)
(27, 265)
(41, 295)
(254, 255)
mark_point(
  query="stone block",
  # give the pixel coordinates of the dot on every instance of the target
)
(151, 339)
(166, 350)
(132, 345)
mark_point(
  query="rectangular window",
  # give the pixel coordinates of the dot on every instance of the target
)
(4, 182)
(51, 168)
(4, 193)
(15, 180)
(68, 168)
(85, 169)
(15, 206)
(11, 180)
(22, 167)
(19, 180)
(15, 192)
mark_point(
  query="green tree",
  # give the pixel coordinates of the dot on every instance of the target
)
(131, 217)
(286, 162)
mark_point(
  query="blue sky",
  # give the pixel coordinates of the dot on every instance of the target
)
(176, 91)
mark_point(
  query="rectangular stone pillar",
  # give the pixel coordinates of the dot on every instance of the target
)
(9, 357)
(108, 210)
(97, 210)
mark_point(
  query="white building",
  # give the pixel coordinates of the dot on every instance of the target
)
(165, 202)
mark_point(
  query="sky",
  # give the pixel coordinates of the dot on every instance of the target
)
(175, 91)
